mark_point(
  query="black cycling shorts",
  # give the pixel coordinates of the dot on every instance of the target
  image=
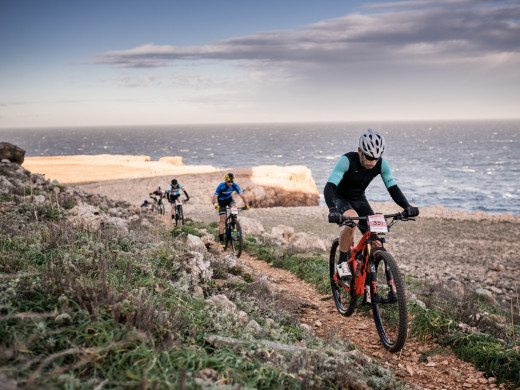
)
(223, 203)
(360, 206)
(172, 198)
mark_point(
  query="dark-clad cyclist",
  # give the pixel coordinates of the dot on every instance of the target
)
(223, 195)
(157, 196)
(345, 190)
(174, 191)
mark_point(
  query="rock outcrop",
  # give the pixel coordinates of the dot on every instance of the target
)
(11, 153)
(271, 186)
(175, 160)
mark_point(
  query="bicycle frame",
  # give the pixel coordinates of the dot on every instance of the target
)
(231, 212)
(365, 247)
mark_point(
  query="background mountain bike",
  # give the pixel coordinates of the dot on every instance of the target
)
(233, 231)
(376, 277)
(179, 212)
(157, 204)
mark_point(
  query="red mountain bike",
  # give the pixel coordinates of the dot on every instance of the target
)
(376, 277)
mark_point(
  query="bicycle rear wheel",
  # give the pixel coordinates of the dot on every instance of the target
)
(344, 299)
(389, 304)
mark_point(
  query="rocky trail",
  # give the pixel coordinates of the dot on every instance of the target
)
(422, 365)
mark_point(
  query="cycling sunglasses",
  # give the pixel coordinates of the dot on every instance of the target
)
(370, 158)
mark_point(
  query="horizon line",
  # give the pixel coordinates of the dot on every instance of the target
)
(2, 127)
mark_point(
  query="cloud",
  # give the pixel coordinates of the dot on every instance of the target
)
(426, 32)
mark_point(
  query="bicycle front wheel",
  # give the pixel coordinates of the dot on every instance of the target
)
(237, 241)
(180, 213)
(234, 238)
(160, 209)
(343, 294)
(179, 219)
(389, 303)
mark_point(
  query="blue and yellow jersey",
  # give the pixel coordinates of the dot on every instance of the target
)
(224, 192)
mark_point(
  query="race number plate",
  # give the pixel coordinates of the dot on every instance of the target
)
(234, 210)
(377, 223)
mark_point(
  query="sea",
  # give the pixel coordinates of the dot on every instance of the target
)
(463, 165)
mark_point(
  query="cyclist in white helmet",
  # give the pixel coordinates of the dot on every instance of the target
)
(345, 190)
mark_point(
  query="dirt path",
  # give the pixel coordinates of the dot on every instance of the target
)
(441, 370)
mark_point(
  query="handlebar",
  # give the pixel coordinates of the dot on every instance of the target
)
(349, 221)
(238, 208)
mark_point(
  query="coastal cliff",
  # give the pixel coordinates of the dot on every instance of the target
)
(131, 178)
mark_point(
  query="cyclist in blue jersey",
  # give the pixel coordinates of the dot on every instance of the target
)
(223, 198)
(345, 190)
(173, 192)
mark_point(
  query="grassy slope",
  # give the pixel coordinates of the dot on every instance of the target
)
(99, 308)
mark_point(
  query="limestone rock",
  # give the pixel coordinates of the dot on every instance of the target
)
(174, 160)
(306, 241)
(12, 153)
(282, 232)
(5, 185)
(251, 226)
(197, 291)
(195, 243)
(288, 186)
(223, 302)
(93, 217)
(254, 326)
(199, 267)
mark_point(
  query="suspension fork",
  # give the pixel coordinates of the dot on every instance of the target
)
(373, 287)
(392, 295)
(371, 290)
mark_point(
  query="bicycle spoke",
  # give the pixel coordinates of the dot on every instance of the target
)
(389, 305)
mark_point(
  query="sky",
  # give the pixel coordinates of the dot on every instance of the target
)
(125, 62)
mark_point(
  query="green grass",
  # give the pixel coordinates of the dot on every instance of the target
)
(86, 309)
(493, 356)
(310, 267)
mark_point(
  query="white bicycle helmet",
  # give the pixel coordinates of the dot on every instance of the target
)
(372, 144)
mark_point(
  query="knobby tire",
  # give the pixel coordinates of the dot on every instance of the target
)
(389, 307)
(345, 301)
(234, 238)
(238, 240)
(179, 216)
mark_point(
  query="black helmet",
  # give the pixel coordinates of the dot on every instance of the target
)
(229, 177)
(174, 182)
